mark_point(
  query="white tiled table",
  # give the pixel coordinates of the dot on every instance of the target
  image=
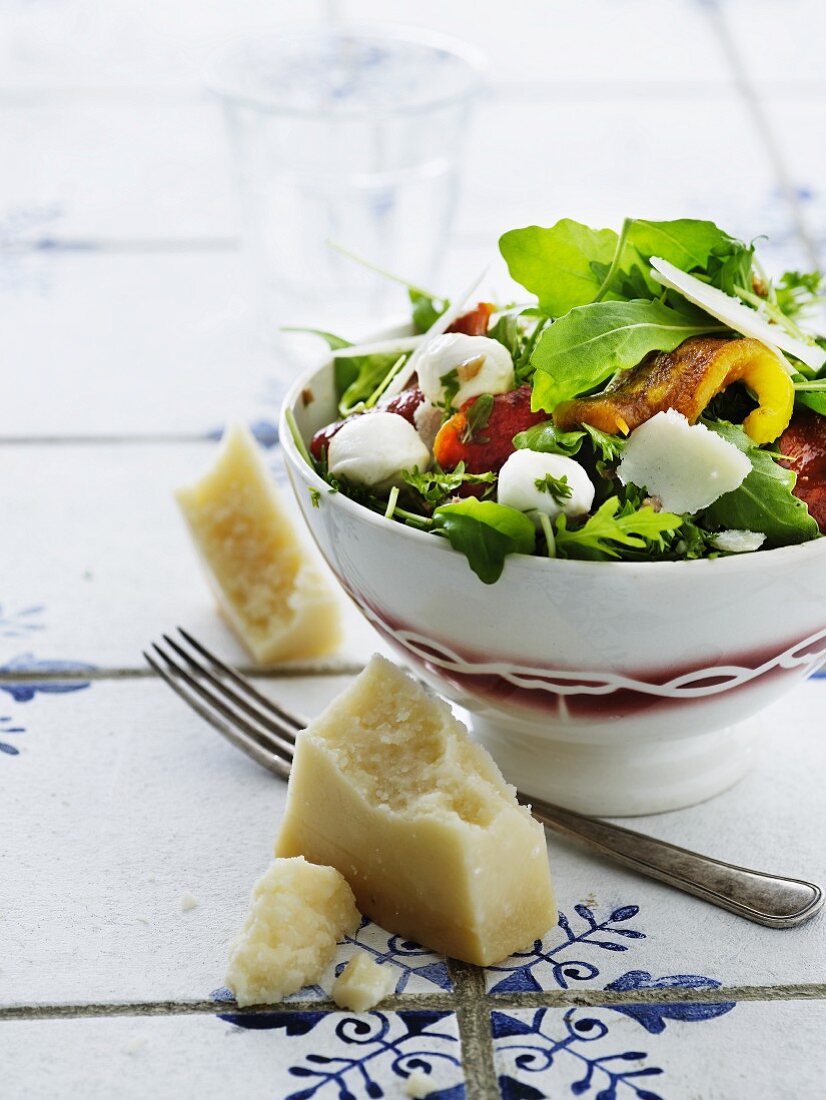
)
(127, 343)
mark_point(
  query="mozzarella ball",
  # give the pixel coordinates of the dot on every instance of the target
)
(372, 449)
(518, 484)
(482, 365)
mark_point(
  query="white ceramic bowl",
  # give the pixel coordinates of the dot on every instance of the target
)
(609, 688)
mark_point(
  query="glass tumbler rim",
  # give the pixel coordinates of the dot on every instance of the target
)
(230, 91)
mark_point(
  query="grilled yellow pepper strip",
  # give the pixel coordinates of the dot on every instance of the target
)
(760, 369)
(686, 380)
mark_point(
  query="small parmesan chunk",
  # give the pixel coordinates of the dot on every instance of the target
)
(267, 586)
(418, 1085)
(373, 450)
(481, 365)
(686, 466)
(533, 482)
(363, 983)
(298, 912)
(739, 542)
(388, 787)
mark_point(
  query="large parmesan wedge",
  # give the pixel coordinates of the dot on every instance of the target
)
(267, 587)
(298, 912)
(388, 787)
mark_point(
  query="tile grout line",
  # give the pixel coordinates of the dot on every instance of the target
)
(469, 1001)
(472, 1008)
(753, 104)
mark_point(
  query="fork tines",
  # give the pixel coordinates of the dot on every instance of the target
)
(228, 701)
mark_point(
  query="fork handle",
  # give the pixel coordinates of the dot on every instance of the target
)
(772, 900)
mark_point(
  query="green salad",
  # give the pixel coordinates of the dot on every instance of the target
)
(658, 398)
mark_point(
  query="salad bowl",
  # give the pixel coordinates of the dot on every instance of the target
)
(611, 688)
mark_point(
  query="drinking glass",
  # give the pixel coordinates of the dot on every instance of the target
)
(350, 134)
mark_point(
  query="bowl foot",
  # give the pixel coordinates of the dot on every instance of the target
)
(616, 780)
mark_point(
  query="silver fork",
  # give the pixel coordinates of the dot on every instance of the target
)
(267, 733)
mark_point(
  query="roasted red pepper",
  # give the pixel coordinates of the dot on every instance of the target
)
(488, 446)
(803, 444)
(475, 322)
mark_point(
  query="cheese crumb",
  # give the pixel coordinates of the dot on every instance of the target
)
(298, 912)
(188, 901)
(363, 983)
(739, 542)
(388, 786)
(686, 465)
(267, 586)
(418, 1085)
(136, 1044)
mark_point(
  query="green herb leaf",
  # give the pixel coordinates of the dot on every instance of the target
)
(315, 497)
(557, 487)
(477, 417)
(548, 439)
(610, 447)
(450, 387)
(592, 342)
(425, 308)
(611, 528)
(798, 292)
(764, 502)
(486, 533)
(357, 376)
(556, 264)
(436, 486)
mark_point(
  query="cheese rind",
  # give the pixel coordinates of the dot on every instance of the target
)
(271, 593)
(362, 984)
(388, 787)
(298, 912)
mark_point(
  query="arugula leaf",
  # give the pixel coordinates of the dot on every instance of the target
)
(571, 265)
(425, 308)
(333, 342)
(611, 528)
(797, 292)
(357, 376)
(557, 264)
(435, 486)
(516, 332)
(687, 243)
(764, 502)
(485, 532)
(589, 344)
(548, 439)
(729, 269)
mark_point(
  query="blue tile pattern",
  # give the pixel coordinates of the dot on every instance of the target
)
(551, 963)
(556, 1052)
(369, 1055)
